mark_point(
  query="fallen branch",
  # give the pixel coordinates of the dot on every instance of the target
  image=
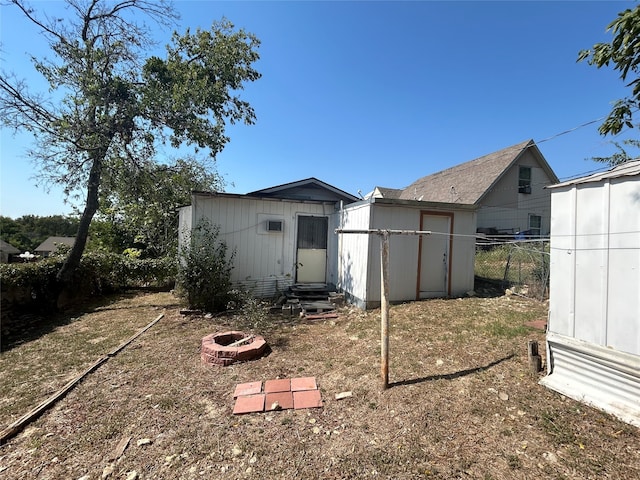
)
(27, 418)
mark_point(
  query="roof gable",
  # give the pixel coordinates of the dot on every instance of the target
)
(385, 192)
(6, 247)
(307, 189)
(469, 182)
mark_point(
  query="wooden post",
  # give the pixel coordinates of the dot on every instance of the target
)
(384, 308)
(384, 290)
(535, 360)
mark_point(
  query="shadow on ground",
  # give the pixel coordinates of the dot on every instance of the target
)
(451, 376)
(29, 326)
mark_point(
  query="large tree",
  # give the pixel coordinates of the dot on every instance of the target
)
(623, 52)
(111, 107)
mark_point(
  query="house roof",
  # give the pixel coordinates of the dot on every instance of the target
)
(8, 248)
(305, 190)
(627, 169)
(469, 182)
(51, 243)
(388, 192)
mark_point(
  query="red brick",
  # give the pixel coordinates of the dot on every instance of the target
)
(249, 404)
(307, 399)
(280, 385)
(244, 389)
(304, 383)
(284, 399)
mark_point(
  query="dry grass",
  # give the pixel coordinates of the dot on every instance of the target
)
(462, 402)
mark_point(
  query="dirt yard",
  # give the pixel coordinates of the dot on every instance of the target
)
(462, 402)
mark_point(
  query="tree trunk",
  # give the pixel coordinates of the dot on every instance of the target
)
(72, 262)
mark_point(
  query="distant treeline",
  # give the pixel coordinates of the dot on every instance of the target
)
(27, 232)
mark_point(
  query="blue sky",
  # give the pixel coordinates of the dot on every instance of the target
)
(360, 94)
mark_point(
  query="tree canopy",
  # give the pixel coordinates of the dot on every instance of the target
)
(623, 52)
(141, 210)
(27, 232)
(110, 108)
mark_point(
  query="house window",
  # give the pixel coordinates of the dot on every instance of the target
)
(535, 225)
(524, 180)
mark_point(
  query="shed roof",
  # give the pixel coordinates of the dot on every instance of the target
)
(627, 169)
(469, 182)
(301, 189)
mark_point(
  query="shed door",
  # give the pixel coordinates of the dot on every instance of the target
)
(434, 257)
(311, 266)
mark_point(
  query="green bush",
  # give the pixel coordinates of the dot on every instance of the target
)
(98, 272)
(204, 270)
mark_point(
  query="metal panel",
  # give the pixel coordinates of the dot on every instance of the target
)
(623, 306)
(593, 339)
(599, 376)
(589, 257)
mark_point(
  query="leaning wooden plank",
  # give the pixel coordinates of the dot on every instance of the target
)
(321, 316)
(19, 424)
(122, 345)
(27, 418)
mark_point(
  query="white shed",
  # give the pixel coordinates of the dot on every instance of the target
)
(281, 235)
(437, 265)
(593, 338)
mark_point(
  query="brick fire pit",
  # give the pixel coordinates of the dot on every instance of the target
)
(218, 348)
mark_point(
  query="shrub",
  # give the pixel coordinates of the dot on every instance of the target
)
(204, 270)
(98, 273)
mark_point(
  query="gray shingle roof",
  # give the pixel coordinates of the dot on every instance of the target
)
(8, 248)
(468, 182)
(390, 192)
(51, 243)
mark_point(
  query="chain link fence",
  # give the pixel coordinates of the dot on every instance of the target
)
(521, 266)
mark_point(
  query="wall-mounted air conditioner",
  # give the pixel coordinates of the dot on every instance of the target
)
(274, 225)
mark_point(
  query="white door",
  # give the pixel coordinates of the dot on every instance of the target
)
(434, 256)
(311, 258)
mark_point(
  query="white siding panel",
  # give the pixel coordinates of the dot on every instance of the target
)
(593, 339)
(403, 253)
(463, 253)
(590, 257)
(264, 262)
(623, 325)
(562, 263)
(353, 253)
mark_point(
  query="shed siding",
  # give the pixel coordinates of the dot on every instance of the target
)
(593, 340)
(353, 253)
(403, 253)
(595, 264)
(264, 261)
(360, 253)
